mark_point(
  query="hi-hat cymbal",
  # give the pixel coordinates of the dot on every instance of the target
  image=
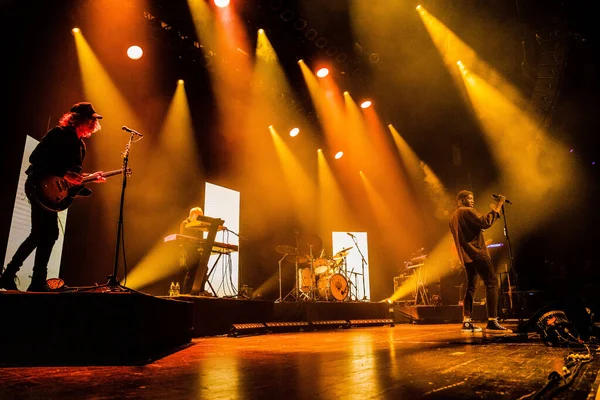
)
(285, 249)
(342, 253)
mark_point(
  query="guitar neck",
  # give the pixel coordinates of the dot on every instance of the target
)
(104, 174)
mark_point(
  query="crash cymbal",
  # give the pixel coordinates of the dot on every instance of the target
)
(342, 253)
(285, 249)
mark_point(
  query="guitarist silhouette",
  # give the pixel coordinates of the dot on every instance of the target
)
(57, 158)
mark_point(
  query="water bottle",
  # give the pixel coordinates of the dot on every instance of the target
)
(172, 289)
(177, 289)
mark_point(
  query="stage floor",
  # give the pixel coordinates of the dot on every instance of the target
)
(402, 362)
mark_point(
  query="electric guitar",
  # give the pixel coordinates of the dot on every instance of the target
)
(54, 193)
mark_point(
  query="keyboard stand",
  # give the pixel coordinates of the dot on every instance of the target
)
(211, 271)
(202, 277)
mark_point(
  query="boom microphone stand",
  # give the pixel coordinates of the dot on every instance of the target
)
(112, 279)
(363, 264)
(511, 261)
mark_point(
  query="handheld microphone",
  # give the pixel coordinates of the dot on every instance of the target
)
(497, 196)
(126, 129)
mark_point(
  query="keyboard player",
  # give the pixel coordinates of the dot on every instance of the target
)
(189, 257)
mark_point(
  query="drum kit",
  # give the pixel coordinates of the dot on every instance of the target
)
(318, 278)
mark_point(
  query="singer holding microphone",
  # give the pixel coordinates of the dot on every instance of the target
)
(466, 226)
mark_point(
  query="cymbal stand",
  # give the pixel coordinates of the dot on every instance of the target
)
(352, 284)
(312, 273)
(294, 291)
(280, 299)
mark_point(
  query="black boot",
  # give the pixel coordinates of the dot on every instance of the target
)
(38, 282)
(9, 276)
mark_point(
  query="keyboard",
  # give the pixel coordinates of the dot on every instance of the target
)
(218, 247)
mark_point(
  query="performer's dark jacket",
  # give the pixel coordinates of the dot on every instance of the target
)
(467, 226)
(60, 151)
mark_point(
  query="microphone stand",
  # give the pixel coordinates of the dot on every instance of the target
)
(510, 260)
(280, 299)
(363, 263)
(112, 279)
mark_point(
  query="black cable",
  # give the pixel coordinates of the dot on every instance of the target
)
(573, 364)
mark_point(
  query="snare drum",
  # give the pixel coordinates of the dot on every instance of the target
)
(332, 287)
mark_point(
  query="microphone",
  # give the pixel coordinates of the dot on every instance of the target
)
(497, 196)
(349, 234)
(126, 129)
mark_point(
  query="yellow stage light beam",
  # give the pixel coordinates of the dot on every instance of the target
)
(455, 52)
(535, 169)
(271, 283)
(175, 165)
(393, 182)
(334, 214)
(99, 89)
(424, 178)
(301, 187)
(441, 261)
(397, 237)
(326, 104)
(221, 34)
(257, 155)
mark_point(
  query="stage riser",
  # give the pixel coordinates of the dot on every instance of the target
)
(435, 314)
(90, 328)
(214, 316)
(327, 311)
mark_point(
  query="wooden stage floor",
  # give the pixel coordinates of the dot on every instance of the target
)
(401, 362)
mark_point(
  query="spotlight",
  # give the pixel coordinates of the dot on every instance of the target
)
(294, 132)
(339, 155)
(75, 30)
(322, 73)
(221, 3)
(135, 52)
(180, 81)
(419, 7)
(261, 31)
(366, 104)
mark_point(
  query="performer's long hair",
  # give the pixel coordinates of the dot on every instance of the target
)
(74, 119)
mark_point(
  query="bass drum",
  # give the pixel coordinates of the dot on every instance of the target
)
(332, 287)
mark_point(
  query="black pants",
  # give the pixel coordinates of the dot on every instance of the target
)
(485, 269)
(44, 232)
